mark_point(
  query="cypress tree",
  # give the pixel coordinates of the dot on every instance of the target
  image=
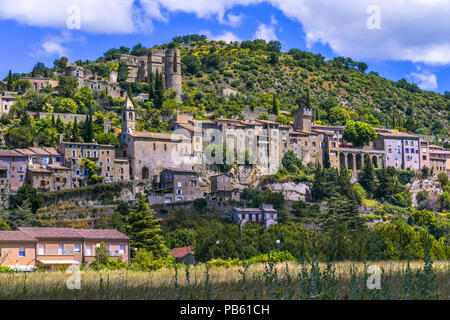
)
(151, 89)
(366, 177)
(59, 125)
(10, 81)
(275, 108)
(53, 121)
(75, 131)
(159, 90)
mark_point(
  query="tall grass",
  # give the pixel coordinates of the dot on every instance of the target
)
(345, 280)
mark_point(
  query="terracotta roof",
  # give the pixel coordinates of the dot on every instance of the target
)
(392, 133)
(178, 253)
(39, 151)
(52, 151)
(10, 153)
(48, 233)
(180, 170)
(26, 152)
(16, 236)
(102, 234)
(157, 135)
(38, 169)
(57, 167)
(268, 207)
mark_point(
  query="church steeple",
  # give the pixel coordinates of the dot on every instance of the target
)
(128, 117)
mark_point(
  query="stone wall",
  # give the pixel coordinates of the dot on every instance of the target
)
(65, 117)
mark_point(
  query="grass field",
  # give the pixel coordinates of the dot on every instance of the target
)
(263, 281)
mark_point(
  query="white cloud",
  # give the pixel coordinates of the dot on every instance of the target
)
(425, 80)
(267, 31)
(233, 20)
(55, 45)
(100, 16)
(411, 30)
(225, 36)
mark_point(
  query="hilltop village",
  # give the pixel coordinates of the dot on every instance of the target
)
(149, 156)
(177, 143)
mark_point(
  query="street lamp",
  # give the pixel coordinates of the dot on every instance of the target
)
(98, 255)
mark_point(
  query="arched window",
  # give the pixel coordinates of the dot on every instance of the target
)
(130, 116)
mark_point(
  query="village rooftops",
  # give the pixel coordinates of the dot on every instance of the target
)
(57, 167)
(10, 153)
(174, 170)
(101, 234)
(26, 152)
(38, 169)
(52, 233)
(68, 233)
(395, 134)
(157, 136)
(16, 236)
(93, 144)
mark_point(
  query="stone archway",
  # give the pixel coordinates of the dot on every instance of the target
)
(342, 160)
(145, 173)
(350, 161)
(375, 161)
(358, 161)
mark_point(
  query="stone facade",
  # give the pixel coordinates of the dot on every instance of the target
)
(401, 149)
(265, 215)
(7, 100)
(166, 62)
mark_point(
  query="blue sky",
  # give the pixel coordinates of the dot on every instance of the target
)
(399, 39)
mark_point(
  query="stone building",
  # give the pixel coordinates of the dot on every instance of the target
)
(439, 159)
(39, 178)
(7, 100)
(166, 62)
(222, 187)
(178, 185)
(103, 156)
(265, 215)
(401, 149)
(16, 165)
(148, 152)
(39, 83)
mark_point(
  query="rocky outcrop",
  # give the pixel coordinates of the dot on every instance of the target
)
(432, 187)
(291, 191)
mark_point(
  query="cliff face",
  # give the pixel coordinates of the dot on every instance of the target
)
(291, 190)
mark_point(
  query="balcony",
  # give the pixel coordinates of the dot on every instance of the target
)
(58, 252)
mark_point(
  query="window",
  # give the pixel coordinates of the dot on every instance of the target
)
(60, 249)
(89, 250)
(22, 252)
(41, 248)
(77, 248)
(122, 249)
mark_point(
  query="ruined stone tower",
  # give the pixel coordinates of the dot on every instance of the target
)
(303, 119)
(172, 71)
(167, 62)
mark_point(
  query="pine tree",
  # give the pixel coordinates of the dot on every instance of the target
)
(75, 131)
(144, 230)
(366, 177)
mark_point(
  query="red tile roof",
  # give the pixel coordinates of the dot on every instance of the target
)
(9, 153)
(46, 233)
(14, 236)
(102, 234)
(178, 253)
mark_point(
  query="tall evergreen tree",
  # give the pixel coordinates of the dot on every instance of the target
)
(151, 87)
(59, 125)
(10, 81)
(75, 131)
(275, 108)
(144, 229)
(159, 90)
(366, 177)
